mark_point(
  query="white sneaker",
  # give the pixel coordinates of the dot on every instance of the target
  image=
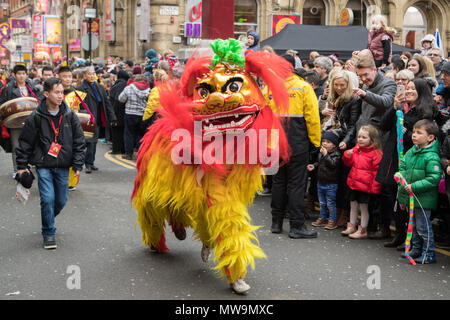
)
(205, 253)
(240, 286)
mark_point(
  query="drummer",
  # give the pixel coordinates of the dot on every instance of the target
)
(20, 86)
(66, 76)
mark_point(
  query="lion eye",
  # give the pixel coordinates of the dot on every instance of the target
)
(235, 86)
(203, 92)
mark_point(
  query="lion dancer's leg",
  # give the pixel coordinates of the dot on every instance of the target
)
(231, 236)
(152, 226)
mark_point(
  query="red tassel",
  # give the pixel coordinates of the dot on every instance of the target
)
(5, 133)
(162, 244)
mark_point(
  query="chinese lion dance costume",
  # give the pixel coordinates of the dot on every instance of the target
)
(216, 96)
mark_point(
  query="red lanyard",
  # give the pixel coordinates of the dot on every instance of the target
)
(56, 130)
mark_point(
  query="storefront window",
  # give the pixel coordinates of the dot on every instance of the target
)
(245, 16)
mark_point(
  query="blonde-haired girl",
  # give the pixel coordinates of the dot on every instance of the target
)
(363, 160)
(380, 41)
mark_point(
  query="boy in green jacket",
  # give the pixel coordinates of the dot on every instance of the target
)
(422, 171)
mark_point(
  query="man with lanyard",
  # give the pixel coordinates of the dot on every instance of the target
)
(18, 87)
(52, 140)
(100, 108)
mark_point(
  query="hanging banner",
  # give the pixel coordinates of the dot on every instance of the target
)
(27, 42)
(16, 23)
(41, 52)
(41, 5)
(56, 54)
(193, 25)
(5, 30)
(110, 9)
(75, 45)
(95, 27)
(37, 28)
(279, 21)
(52, 30)
(3, 52)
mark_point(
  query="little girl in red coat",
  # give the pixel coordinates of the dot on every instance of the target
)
(364, 160)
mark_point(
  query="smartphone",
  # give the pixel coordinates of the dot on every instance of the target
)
(401, 90)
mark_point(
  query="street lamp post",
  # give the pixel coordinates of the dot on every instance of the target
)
(90, 14)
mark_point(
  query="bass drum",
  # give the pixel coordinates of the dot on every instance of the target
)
(86, 124)
(14, 112)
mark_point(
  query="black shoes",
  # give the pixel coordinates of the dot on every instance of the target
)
(277, 225)
(89, 169)
(128, 156)
(298, 232)
(50, 243)
(398, 240)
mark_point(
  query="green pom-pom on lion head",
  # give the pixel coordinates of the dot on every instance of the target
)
(227, 51)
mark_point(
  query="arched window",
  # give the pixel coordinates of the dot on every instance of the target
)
(245, 16)
(314, 13)
(359, 9)
(414, 28)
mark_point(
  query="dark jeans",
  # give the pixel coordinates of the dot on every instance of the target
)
(288, 190)
(133, 132)
(91, 150)
(327, 199)
(423, 238)
(117, 140)
(53, 187)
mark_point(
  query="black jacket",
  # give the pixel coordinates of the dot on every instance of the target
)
(328, 167)
(348, 114)
(38, 135)
(411, 117)
(389, 162)
(12, 91)
(94, 107)
(119, 107)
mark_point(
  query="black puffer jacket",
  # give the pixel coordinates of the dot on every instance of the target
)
(12, 91)
(38, 135)
(328, 167)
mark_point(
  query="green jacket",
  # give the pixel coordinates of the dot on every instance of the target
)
(421, 169)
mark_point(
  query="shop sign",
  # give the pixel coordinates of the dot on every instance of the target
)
(193, 25)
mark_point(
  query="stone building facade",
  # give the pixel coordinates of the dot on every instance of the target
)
(160, 24)
(167, 18)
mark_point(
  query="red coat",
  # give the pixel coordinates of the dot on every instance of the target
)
(364, 164)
